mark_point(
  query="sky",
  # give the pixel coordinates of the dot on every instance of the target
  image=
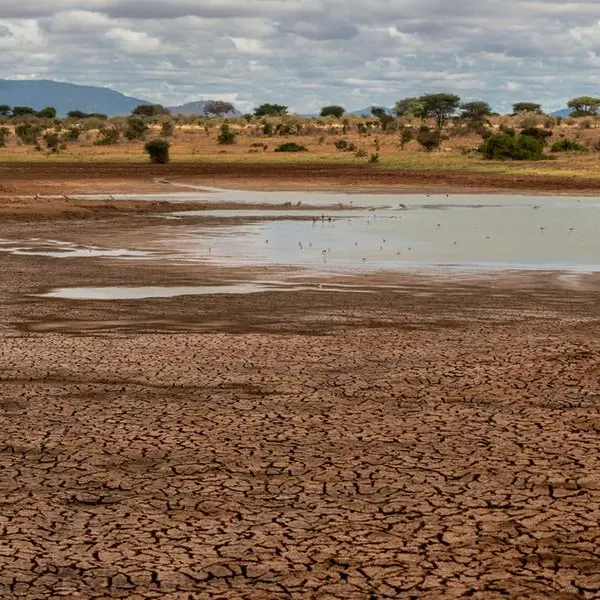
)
(309, 53)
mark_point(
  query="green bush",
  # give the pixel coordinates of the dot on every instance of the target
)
(158, 150)
(72, 134)
(345, 146)
(52, 141)
(503, 146)
(567, 145)
(28, 133)
(136, 129)
(167, 129)
(226, 137)
(429, 140)
(291, 147)
(4, 133)
(109, 136)
(541, 135)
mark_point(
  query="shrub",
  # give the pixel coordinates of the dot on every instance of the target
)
(109, 136)
(52, 141)
(345, 146)
(361, 153)
(158, 150)
(167, 129)
(406, 135)
(291, 147)
(541, 135)
(72, 134)
(374, 158)
(226, 137)
(4, 133)
(28, 133)
(503, 146)
(136, 129)
(429, 140)
(567, 145)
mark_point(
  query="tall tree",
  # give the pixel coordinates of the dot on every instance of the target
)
(439, 107)
(218, 108)
(408, 107)
(527, 107)
(384, 118)
(271, 110)
(149, 110)
(475, 112)
(333, 111)
(584, 106)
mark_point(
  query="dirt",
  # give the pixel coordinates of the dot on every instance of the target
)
(438, 441)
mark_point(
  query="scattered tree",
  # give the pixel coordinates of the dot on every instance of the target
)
(149, 110)
(382, 115)
(218, 108)
(408, 107)
(47, 113)
(270, 110)
(158, 151)
(23, 111)
(584, 106)
(136, 129)
(527, 107)
(226, 137)
(333, 111)
(475, 113)
(439, 107)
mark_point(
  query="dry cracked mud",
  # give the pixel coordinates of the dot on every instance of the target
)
(438, 442)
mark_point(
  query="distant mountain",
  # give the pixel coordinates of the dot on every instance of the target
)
(197, 108)
(563, 112)
(366, 112)
(39, 93)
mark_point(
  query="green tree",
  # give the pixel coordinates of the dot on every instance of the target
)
(382, 115)
(527, 107)
(226, 137)
(406, 135)
(158, 151)
(149, 110)
(429, 140)
(136, 129)
(270, 110)
(47, 113)
(541, 135)
(5, 110)
(503, 146)
(218, 108)
(584, 106)
(408, 107)
(476, 112)
(22, 111)
(439, 107)
(333, 111)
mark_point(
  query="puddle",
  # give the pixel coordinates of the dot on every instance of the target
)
(63, 249)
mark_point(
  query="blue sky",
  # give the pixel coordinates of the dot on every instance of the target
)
(308, 53)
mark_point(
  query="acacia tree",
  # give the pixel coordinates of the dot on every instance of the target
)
(218, 108)
(5, 110)
(408, 107)
(527, 107)
(475, 112)
(270, 110)
(333, 111)
(382, 115)
(584, 106)
(150, 110)
(439, 107)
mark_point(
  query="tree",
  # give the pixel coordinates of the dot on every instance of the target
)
(136, 129)
(226, 137)
(158, 150)
(475, 112)
(429, 140)
(333, 111)
(384, 118)
(406, 135)
(541, 135)
(28, 133)
(22, 111)
(5, 110)
(439, 107)
(149, 110)
(270, 110)
(47, 113)
(584, 106)
(527, 107)
(52, 141)
(167, 129)
(77, 114)
(218, 108)
(408, 107)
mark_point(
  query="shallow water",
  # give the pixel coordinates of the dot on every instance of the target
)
(460, 232)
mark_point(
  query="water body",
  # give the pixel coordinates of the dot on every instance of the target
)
(404, 232)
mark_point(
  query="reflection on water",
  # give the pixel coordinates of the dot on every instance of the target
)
(461, 232)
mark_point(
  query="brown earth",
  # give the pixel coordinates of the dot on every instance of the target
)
(435, 441)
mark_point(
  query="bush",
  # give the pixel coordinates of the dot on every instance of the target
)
(345, 146)
(136, 129)
(28, 133)
(52, 141)
(167, 129)
(361, 153)
(109, 136)
(541, 135)
(567, 145)
(429, 140)
(503, 146)
(226, 137)
(4, 133)
(72, 134)
(374, 158)
(291, 147)
(158, 150)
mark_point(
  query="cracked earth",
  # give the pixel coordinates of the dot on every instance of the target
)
(436, 443)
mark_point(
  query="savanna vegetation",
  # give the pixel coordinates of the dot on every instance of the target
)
(429, 131)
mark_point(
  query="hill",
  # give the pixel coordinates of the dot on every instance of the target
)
(196, 108)
(39, 93)
(563, 112)
(366, 112)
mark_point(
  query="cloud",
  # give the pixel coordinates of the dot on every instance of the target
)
(305, 53)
